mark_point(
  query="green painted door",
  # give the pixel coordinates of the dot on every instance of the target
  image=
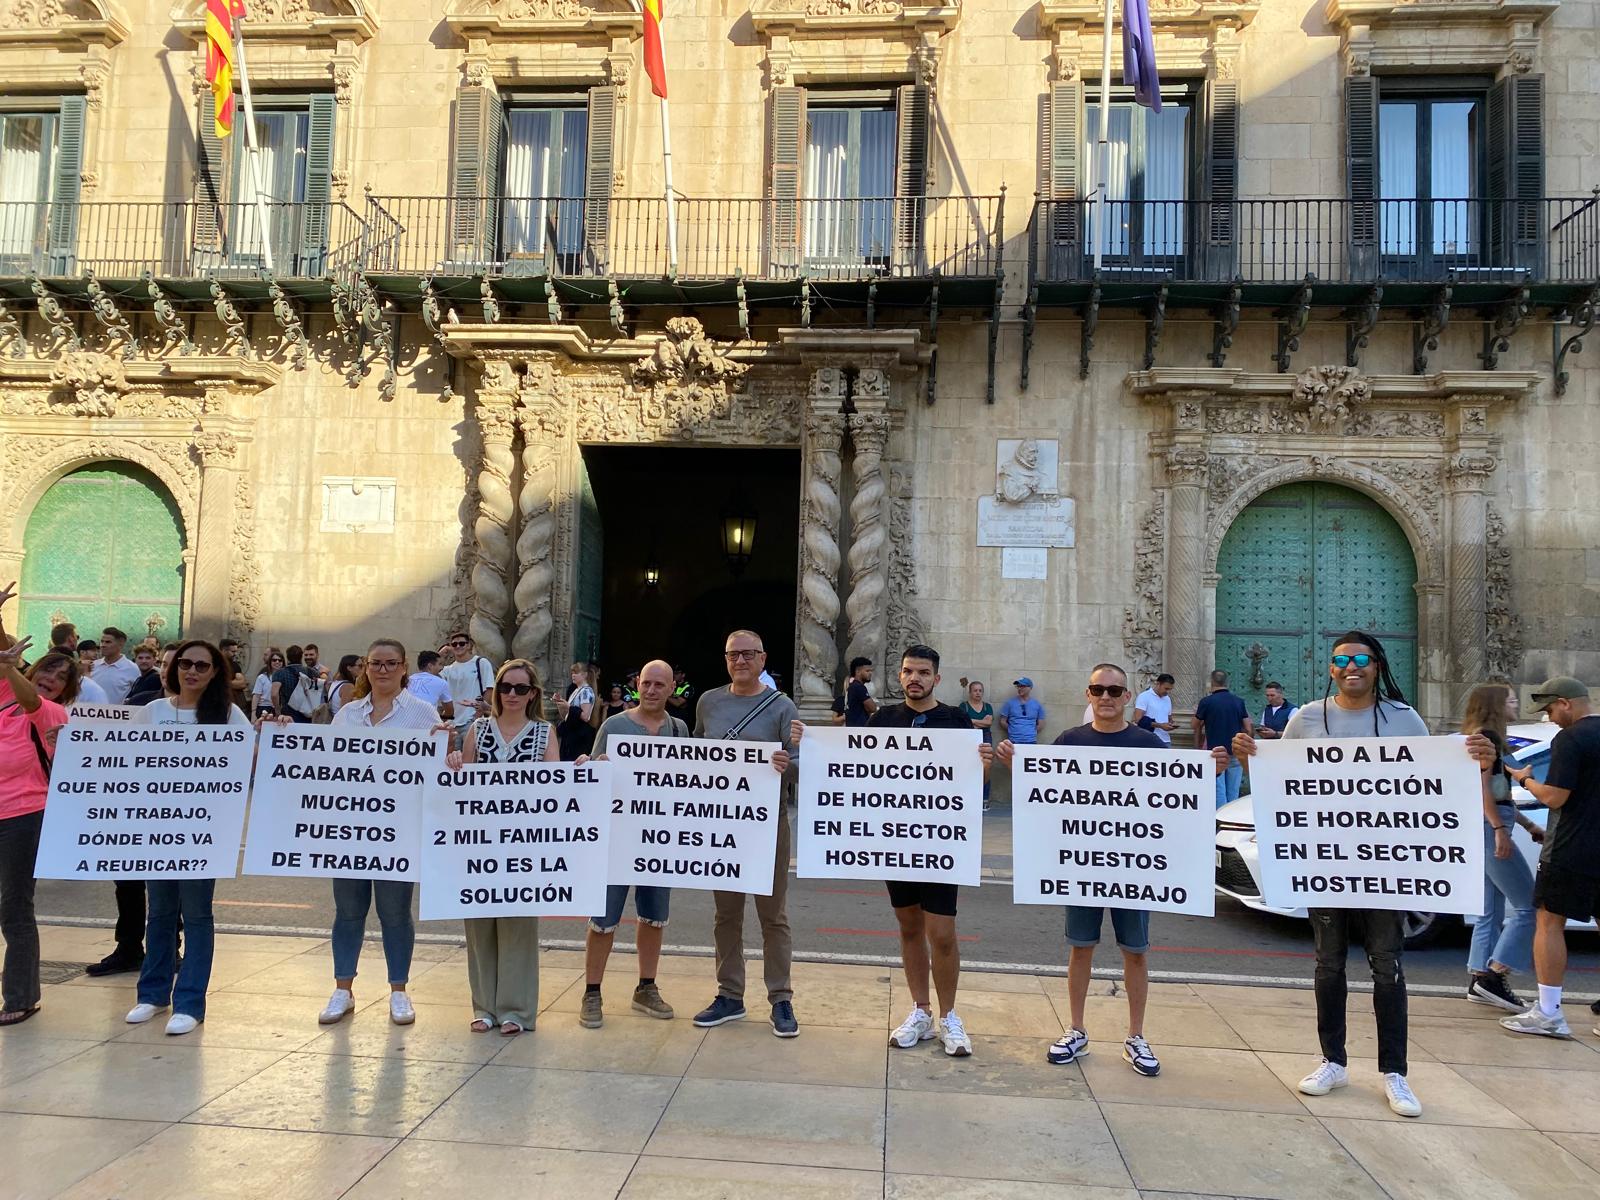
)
(1301, 565)
(104, 546)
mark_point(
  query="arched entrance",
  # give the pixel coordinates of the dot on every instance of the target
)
(104, 546)
(1300, 565)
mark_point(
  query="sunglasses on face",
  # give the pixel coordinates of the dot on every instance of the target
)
(461, 643)
(1115, 690)
(513, 689)
(198, 665)
(1344, 660)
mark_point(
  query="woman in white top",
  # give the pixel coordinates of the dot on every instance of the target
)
(381, 701)
(261, 690)
(503, 952)
(342, 688)
(199, 692)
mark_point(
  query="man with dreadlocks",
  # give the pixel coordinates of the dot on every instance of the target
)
(1368, 703)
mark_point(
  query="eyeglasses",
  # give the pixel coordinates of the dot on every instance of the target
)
(199, 666)
(459, 642)
(274, 658)
(513, 689)
(742, 655)
(1115, 690)
(384, 664)
(1344, 660)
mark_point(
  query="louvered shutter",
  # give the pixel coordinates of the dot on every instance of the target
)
(1221, 190)
(1516, 171)
(475, 176)
(63, 245)
(1361, 155)
(319, 186)
(599, 177)
(912, 147)
(211, 184)
(1064, 179)
(786, 141)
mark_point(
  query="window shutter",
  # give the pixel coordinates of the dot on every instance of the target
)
(475, 178)
(599, 177)
(1516, 170)
(319, 185)
(1361, 145)
(786, 142)
(1221, 190)
(210, 179)
(1064, 177)
(64, 187)
(912, 147)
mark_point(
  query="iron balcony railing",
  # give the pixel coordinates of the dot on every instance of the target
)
(759, 239)
(1551, 240)
(179, 239)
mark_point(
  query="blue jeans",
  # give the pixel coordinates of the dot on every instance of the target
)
(352, 898)
(1501, 936)
(1228, 782)
(651, 905)
(1130, 925)
(161, 980)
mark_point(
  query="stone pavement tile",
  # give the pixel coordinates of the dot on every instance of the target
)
(311, 975)
(224, 1163)
(1235, 1154)
(21, 1057)
(1004, 1066)
(859, 1003)
(163, 1083)
(572, 960)
(1231, 998)
(564, 1110)
(1001, 1137)
(627, 1043)
(428, 952)
(1447, 1097)
(1476, 1044)
(441, 1033)
(227, 967)
(81, 1013)
(1460, 1008)
(45, 1154)
(1165, 1024)
(942, 1187)
(248, 1021)
(1191, 1077)
(76, 943)
(337, 1093)
(1002, 981)
(798, 1124)
(1438, 1162)
(708, 1179)
(1554, 1101)
(1294, 1031)
(417, 1170)
(1584, 1146)
(561, 991)
(991, 1014)
(823, 1054)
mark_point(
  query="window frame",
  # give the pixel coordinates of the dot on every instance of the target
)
(561, 248)
(1190, 94)
(862, 231)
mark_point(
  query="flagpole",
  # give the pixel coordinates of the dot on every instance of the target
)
(1102, 165)
(254, 155)
(672, 198)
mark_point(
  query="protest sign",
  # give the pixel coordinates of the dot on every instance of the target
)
(515, 840)
(341, 802)
(1387, 823)
(134, 801)
(891, 803)
(694, 813)
(1115, 828)
(127, 714)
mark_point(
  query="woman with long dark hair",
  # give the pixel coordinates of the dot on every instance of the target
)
(199, 687)
(342, 687)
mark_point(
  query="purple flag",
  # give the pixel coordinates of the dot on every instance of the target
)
(1139, 54)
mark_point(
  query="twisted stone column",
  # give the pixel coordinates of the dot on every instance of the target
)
(1469, 518)
(1187, 638)
(867, 607)
(491, 529)
(536, 544)
(217, 452)
(819, 563)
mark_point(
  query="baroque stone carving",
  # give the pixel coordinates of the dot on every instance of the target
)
(1227, 472)
(216, 448)
(607, 410)
(540, 10)
(1143, 622)
(1187, 466)
(92, 382)
(542, 438)
(690, 372)
(905, 624)
(491, 529)
(31, 464)
(244, 598)
(1329, 396)
(869, 435)
(1402, 422)
(1503, 641)
(1019, 479)
(1242, 418)
(819, 557)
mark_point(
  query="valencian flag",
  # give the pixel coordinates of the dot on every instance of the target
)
(219, 59)
(655, 65)
(1139, 54)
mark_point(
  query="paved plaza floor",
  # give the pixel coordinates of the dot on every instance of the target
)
(262, 1102)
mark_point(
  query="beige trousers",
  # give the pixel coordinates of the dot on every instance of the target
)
(503, 968)
(776, 944)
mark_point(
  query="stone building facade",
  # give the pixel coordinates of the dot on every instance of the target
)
(884, 264)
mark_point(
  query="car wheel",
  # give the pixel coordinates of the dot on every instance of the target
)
(1422, 929)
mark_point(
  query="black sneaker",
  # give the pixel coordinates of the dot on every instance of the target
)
(118, 962)
(1491, 989)
(719, 1012)
(783, 1023)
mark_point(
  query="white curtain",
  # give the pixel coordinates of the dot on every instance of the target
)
(1397, 176)
(281, 136)
(827, 183)
(1453, 180)
(1166, 179)
(25, 147)
(1117, 182)
(528, 156)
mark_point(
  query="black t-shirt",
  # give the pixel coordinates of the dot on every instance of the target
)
(855, 703)
(940, 716)
(1129, 737)
(288, 678)
(1574, 828)
(145, 689)
(1223, 715)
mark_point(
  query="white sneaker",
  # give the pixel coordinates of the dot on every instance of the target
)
(400, 1010)
(181, 1023)
(1402, 1100)
(1535, 1022)
(340, 1005)
(140, 1013)
(954, 1036)
(917, 1027)
(1324, 1079)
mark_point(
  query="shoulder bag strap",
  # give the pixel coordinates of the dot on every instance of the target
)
(744, 722)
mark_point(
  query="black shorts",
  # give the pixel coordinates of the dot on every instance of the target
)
(1572, 894)
(936, 898)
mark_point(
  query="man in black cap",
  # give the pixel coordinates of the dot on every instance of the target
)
(1568, 884)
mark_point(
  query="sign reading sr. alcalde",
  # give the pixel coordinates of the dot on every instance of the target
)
(338, 802)
(694, 813)
(891, 803)
(145, 802)
(1114, 828)
(1387, 823)
(515, 840)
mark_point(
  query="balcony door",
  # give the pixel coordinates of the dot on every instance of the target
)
(546, 158)
(1430, 157)
(283, 135)
(1146, 218)
(849, 182)
(27, 147)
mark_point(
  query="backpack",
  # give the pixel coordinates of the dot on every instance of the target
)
(307, 696)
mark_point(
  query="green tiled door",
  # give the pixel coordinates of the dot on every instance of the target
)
(1301, 565)
(104, 546)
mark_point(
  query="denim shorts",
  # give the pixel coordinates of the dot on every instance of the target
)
(1131, 926)
(650, 905)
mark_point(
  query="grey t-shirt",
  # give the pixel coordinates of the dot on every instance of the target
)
(1393, 720)
(719, 710)
(623, 725)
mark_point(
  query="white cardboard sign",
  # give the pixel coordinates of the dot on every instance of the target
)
(694, 813)
(891, 803)
(1385, 823)
(515, 840)
(1114, 828)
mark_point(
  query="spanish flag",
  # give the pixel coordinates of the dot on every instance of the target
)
(655, 65)
(219, 59)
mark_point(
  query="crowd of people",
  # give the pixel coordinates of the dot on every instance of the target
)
(502, 715)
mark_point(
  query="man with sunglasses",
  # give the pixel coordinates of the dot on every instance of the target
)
(471, 679)
(1107, 694)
